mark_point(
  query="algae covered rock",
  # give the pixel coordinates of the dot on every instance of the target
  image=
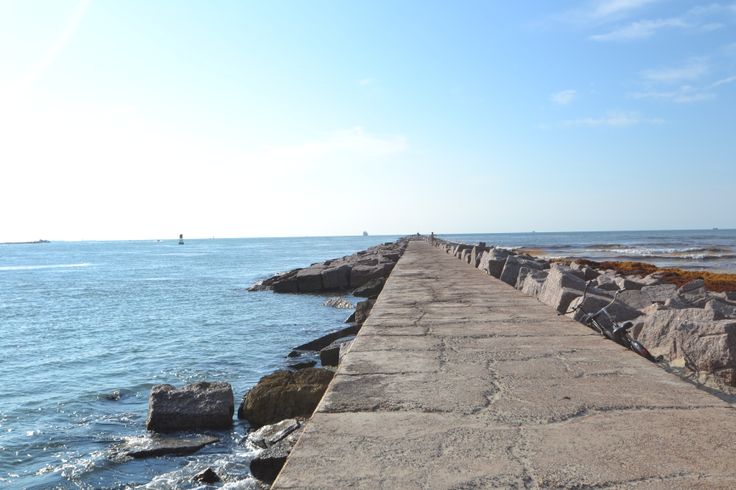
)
(283, 395)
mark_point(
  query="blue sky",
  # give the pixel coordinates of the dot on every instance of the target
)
(142, 119)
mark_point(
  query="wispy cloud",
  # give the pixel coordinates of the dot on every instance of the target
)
(723, 81)
(639, 30)
(682, 95)
(613, 119)
(701, 18)
(366, 82)
(609, 8)
(692, 69)
(563, 97)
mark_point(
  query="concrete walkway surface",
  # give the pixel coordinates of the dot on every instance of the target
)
(457, 380)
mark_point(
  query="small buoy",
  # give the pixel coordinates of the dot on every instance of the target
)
(181, 239)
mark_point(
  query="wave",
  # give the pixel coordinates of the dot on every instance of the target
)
(45, 266)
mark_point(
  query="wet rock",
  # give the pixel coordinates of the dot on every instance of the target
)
(267, 464)
(269, 435)
(371, 288)
(338, 302)
(208, 477)
(160, 446)
(330, 355)
(197, 406)
(322, 342)
(301, 364)
(283, 395)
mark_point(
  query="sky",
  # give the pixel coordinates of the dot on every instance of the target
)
(142, 120)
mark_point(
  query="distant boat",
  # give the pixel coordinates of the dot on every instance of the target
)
(715, 229)
(365, 233)
(181, 239)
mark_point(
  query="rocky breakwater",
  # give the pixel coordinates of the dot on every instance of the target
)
(281, 402)
(687, 317)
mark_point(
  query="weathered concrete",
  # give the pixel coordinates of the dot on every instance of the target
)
(457, 380)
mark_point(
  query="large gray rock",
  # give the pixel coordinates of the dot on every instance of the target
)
(362, 310)
(691, 337)
(626, 283)
(694, 293)
(514, 263)
(310, 280)
(560, 288)
(492, 261)
(370, 289)
(334, 278)
(721, 309)
(660, 293)
(284, 395)
(476, 253)
(636, 299)
(620, 312)
(197, 406)
(588, 273)
(533, 282)
(272, 434)
(465, 255)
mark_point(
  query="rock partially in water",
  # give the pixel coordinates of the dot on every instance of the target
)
(197, 406)
(371, 288)
(338, 302)
(283, 395)
(160, 446)
(207, 476)
(268, 435)
(322, 342)
(267, 465)
(330, 355)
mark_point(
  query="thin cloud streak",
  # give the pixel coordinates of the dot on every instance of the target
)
(614, 119)
(563, 97)
(691, 70)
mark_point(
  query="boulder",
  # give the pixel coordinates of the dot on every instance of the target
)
(338, 302)
(635, 299)
(330, 355)
(560, 288)
(691, 337)
(335, 278)
(272, 434)
(492, 261)
(721, 309)
(362, 310)
(322, 342)
(309, 280)
(533, 282)
(268, 463)
(296, 365)
(625, 283)
(284, 394)
(361, 274)
(510, 272)
(160, 446)
(371, 288)
(476, 253)
(465, 256)
(197, 406)
(660, 293)
(607, 282)
(620, 312)
(588, 273)
(694, 293)
(208, 477)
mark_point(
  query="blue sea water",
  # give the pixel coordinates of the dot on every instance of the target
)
(86, 328)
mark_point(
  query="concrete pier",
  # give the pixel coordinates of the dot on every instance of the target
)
(457, 380)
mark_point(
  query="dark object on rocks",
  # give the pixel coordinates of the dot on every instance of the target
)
(268, 435)
(267, 465)
(159, 446)
(362, 310)
(207, 476)
(371, 288)
(330, 355)
(325, 340)
(295, 366)
(283, 395)
(351, 318)
(196, 406)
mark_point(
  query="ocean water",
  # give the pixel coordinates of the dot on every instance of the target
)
(87, 328)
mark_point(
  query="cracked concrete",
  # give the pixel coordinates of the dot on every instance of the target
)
(457, 380)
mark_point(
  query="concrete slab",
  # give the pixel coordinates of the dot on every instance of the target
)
(457, 380)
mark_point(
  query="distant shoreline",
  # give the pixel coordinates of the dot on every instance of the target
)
(25, 243)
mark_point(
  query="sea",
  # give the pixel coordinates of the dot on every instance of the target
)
(87, 328)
